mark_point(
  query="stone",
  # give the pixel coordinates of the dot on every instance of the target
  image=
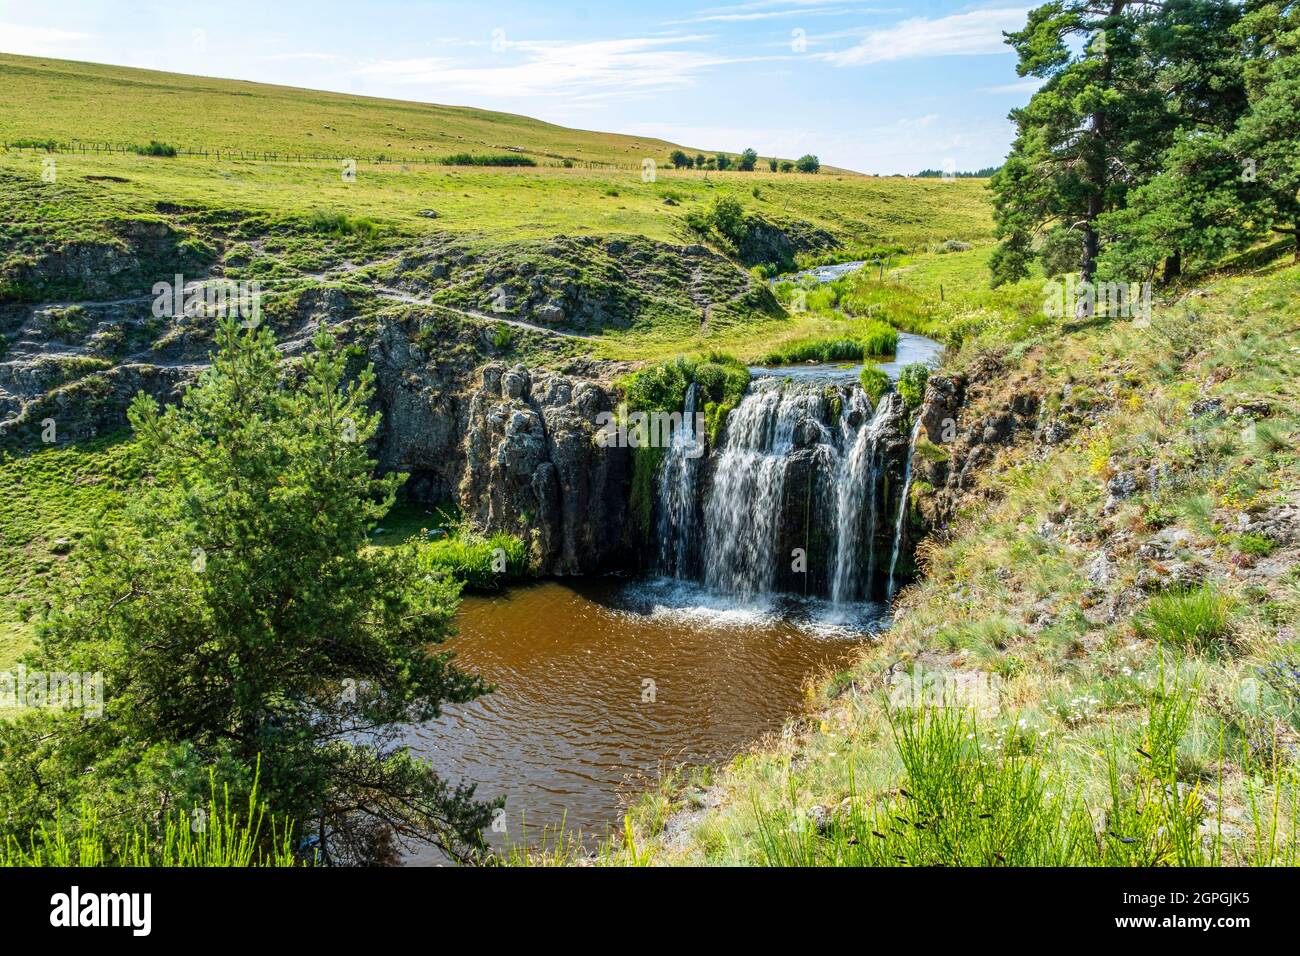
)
(1122, 485)
(1206, 407)
(514, 384)
(552, 313)
(1099, 569)
(807, 433)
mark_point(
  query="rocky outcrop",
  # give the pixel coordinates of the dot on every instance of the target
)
(579, 284)
(533, 467)
(777, 244)
(966, 419)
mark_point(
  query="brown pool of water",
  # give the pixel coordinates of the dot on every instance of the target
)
(600, 684)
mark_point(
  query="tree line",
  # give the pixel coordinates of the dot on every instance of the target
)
(1164, 137)
(746, 162)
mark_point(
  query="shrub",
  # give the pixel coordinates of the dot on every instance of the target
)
(748, 159)
(1256, 545)
(341, 224)
(155, 148)
(874, 382)
(1195, 619)
(502, 336)
(911, 384)
(808, 163)
(679, 160)
(49, 145)
(494, 159)
(727, 216)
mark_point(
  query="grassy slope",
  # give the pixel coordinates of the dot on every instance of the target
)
(1079, 681)
(67, 100)
(49, 499)
(482, 207)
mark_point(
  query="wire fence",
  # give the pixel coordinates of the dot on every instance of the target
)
(234, 154)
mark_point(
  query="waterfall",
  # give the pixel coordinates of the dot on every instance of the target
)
(857, 485)
(902, 507)
(678, 479)
(800, 472)
(743, 510)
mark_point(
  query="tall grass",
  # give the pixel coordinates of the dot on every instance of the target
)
(873, 339)
(222, 837)
(1195, 619)
(341, 224)
(479, 562)
(970, 800)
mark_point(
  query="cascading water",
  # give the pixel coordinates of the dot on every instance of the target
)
(902, 509)
(678, 480)
(858, 485)
(743, 509)
(800, 476)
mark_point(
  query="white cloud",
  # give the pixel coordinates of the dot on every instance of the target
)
(306, 57)
(962, 34)
(40, 41)
(751, 12)
(1028, 85)
(559, 68)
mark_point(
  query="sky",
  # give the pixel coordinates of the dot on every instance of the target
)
(880, 87)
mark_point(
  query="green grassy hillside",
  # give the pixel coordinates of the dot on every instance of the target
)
(66, 100)
(81, 103)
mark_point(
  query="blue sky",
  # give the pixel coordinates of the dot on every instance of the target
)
(878, 86)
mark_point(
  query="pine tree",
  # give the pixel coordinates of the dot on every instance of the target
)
(239, 616)
(1084, 137)
(1183, 204)
(1267, 140)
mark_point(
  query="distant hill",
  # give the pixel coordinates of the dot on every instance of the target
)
(123, 105)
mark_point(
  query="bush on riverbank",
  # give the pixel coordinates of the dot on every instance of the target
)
(874, 382)
(477, 561)
(872, 339)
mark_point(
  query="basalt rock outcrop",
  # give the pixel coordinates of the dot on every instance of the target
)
(533, 467)
(579, 284)
(965, 420)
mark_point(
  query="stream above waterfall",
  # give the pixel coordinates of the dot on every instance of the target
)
(911, 349)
